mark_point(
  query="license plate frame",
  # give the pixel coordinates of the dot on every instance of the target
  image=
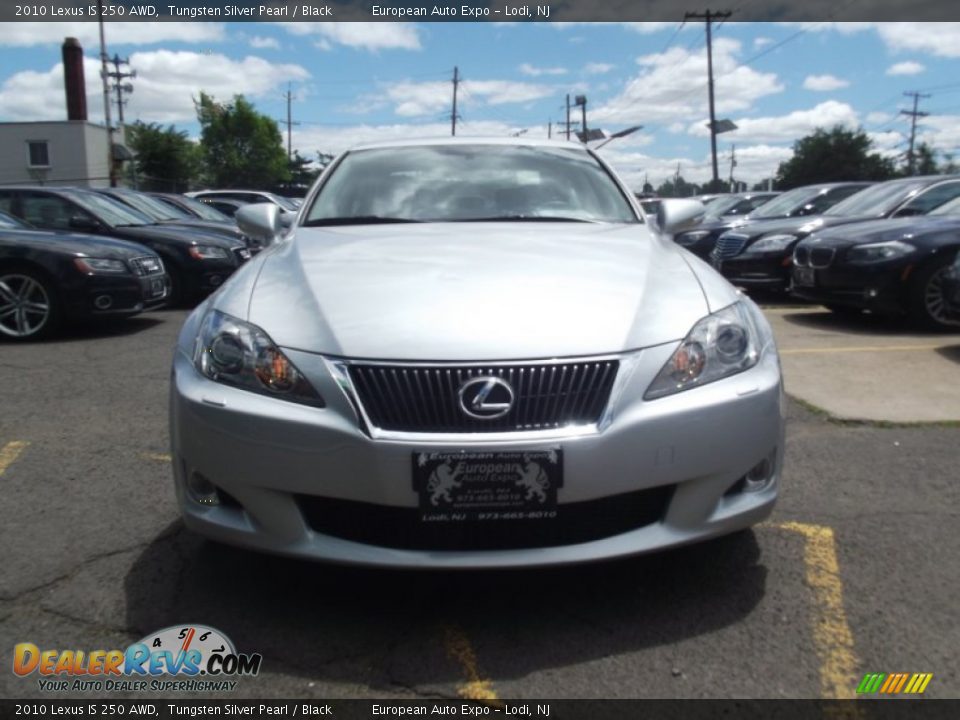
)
(804, 277)
(487, 486)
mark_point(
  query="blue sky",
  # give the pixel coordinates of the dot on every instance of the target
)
(360, 81)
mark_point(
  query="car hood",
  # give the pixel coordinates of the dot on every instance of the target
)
(800, 226)
(908, 228)
(214, 227)
(76, 244)
(179, 235)
(472, 291)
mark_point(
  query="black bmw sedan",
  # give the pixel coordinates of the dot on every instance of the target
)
(887, 266)
(759, 256)
(951, 290)
(799, 202)
(47, 278)
(197, 262)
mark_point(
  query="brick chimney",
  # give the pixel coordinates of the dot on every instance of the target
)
(73, 79)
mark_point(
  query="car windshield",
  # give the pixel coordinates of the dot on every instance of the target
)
(109, 211)
(461, 183)
(151, 207)
(11, 223)
(876, 201)
(719, 206)
(202, 210)
(949, 208)
(787, 203)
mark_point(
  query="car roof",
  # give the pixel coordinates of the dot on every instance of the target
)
(467, 140)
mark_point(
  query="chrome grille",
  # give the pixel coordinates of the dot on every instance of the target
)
(418, 398)
(821, 257)
(146, 265)
(242, 254)
(729, 245)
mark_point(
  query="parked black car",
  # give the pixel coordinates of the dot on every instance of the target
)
(951, 291)
(164, 214)
(47, 278)
(889, 266)
(759, 256)
(247, 197)
(799, 202)
(197, 262)
(740, 204)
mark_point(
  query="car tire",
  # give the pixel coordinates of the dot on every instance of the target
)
(925, 304)
(30, 308)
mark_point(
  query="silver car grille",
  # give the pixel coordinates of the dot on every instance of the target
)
(418, 398)
(146, 265)
(729, 245)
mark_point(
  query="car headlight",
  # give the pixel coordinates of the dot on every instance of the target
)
(772, 243)
(878, 252)
(720, 345)
(98, 266)
(208, 252)
(237, 353)
(689, 238)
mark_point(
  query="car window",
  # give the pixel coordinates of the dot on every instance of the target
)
(110, 211)
(877, 200)
(6, 201)
(948, 208)
(49, 211)
(203, 210)
(451, 183)
(932, 198)
(787, 203)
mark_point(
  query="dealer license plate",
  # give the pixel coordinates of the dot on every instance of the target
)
(487, 486)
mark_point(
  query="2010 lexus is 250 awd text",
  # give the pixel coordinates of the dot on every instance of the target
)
(474, 353)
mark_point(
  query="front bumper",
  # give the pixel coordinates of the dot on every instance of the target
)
(880, 287)
(271, 457)
(767, 271)
(92, 296)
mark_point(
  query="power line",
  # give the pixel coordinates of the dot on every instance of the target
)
(914, 114)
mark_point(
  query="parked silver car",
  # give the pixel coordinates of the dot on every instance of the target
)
(474, 353)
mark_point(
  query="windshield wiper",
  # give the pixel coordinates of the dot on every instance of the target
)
(526, 218)
(357, 220)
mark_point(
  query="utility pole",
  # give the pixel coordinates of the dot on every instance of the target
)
(733, 164)
(119, 87)
(709, 18)
(914, 114)
(568, 116)
(106, 97)
(549, 129)
(453, 114)
(289, 123)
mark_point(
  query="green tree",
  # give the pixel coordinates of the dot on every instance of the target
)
(678, 188)
(166, 159)
(832, 156)
(241, 147)
(925, 160)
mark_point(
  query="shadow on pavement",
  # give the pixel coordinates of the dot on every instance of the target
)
(951, 352)
(854, 323)
(386, 628)
(93, 330)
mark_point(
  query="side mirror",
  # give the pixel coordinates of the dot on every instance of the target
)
(84, 223)
(676, 216)
(260, 221)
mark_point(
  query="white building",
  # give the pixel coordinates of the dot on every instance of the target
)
(64, 152)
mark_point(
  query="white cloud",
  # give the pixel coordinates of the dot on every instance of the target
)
(29, 34)
(761, 42)
(908, 67)
(936, 38)
(673, 85)
(413, 99)
(533, 71)
(261, 43)
(877, 118)
(789, 127)
(597, 68)
(824, 83)
(364, 35)
(165, 85)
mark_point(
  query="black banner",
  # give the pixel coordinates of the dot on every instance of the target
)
(919, 709)
(469, 11)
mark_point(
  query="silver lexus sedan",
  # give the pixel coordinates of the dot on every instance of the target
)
(474, 353)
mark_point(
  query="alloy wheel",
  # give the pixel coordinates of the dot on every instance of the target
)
(24, 305)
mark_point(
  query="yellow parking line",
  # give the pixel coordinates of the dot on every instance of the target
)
(157, 457)
(459, 648)
(831, 631)
(10, 452)
(864, 348)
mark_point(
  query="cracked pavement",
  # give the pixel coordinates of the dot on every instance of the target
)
(96, 558)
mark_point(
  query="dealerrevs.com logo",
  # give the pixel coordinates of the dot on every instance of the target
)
(178, 658)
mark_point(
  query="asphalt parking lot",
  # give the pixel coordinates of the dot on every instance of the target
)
(856, 571)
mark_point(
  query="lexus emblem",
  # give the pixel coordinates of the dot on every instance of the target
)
(486, 398)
